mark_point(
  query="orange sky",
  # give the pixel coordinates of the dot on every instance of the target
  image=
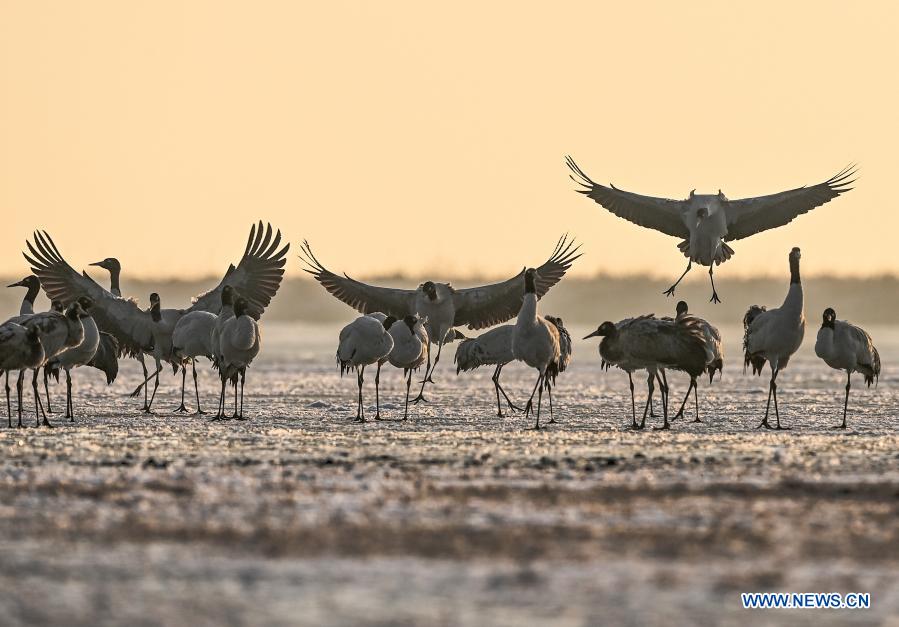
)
(414, 137)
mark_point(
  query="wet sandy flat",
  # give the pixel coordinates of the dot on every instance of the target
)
(300, 516)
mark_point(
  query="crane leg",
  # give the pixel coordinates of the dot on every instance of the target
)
(143, 365)
(153, 396)
(430, 373)
(650, 384)
(143, 385)
(670, 290)
(408, 385)
(530, 405)
(634, 424)
(421, 393)
(40, 416)
(235, 415)
(360, 378)
(70, 410)
(378, 392)
(714, 298)
(8, 404)
(243, 376)
(549, 390)
(20, 384)
(47, 390)
(846, 402)
(680, 412)
(220, 414)
(182, 408)
(193, 365)
(539, 389)
(499, 407)
(772, 392)
(663, 385)
(500, 390)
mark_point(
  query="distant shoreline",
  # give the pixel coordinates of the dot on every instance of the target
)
(873, 300)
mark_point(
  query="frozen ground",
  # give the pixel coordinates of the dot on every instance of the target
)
(300, 516)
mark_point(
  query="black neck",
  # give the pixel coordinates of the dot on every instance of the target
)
(33, 290)
(155, 313)
(794, 271)
(114, 280)
(529, 286)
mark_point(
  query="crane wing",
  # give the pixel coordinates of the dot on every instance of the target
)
(487, 305)
(121, 318)
(661, 214)
(748, 216)
(360, 296)
(257, 277)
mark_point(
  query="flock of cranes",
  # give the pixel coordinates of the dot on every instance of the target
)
(90, 325)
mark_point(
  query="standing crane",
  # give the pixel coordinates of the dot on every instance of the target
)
(773, 335)
(845, 346)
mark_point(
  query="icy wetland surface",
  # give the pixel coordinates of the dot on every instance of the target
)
(456, 517)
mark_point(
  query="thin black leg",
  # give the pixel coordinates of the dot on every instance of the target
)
(47, 391)
(20, 386)
(182, 408)
(243, 377)
(38, 405)
(143, 365)
(421, 393)
(378, 392)
(193, 363)
(663, 384)
(650, 384)
(714, 298)
(8, 404)
(512, 405)
(70, 411)
(680, 412)
(634, 425)
(539, 390)
(408, 374)
(499, 407)
(549, 391)
(670, 290)
(846, 402)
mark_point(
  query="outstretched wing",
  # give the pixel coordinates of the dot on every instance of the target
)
(360, 296)
(257, 277)
(661, 214)
(487, 305)
(748, 216)
(123, 319)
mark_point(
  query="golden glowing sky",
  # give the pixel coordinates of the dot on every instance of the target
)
(411, 136)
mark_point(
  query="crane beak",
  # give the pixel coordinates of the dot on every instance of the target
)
(19, 284)
(594, 334)
(96, 263)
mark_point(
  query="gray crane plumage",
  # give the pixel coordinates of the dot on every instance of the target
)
(845, 346)
(444, 306)
(20, 349)
(705, 222)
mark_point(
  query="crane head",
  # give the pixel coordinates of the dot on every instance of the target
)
(110, 263)
(605, 329)
(31, 282)
(430, 289)
(830, 316)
